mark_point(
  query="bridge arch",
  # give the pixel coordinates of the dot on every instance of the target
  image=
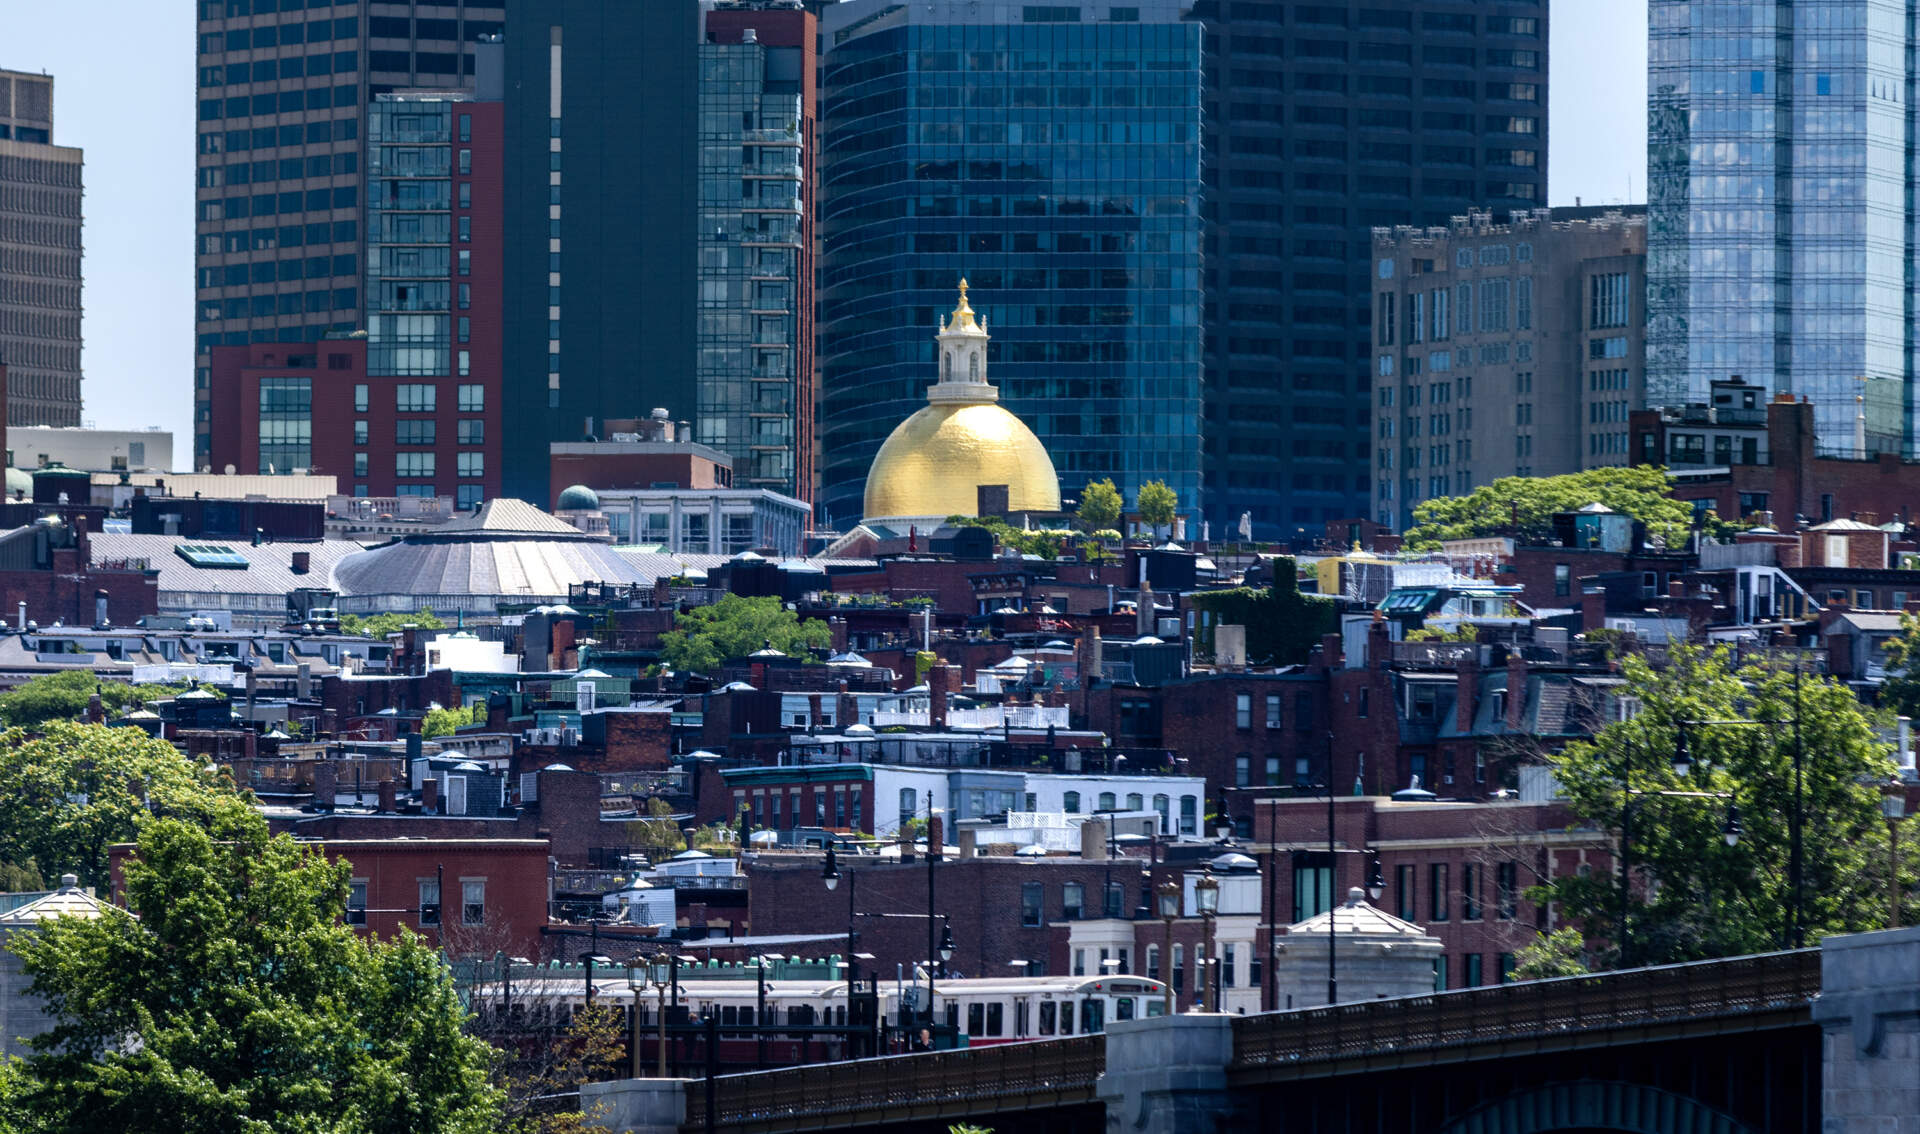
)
(1629, 1108)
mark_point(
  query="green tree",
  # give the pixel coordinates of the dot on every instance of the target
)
(381, 625)
(1900, 692)
(1523, 506)
(1557, 954)
(1465, 632)
(735, 627)
(1156, 504)
(63, 696)
(1692, 895)
(237, 1002)
(445, 722)
(1100, 505)
(73, 790)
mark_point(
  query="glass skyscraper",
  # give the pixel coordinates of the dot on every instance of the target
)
(1781, 218)
(1050, 154)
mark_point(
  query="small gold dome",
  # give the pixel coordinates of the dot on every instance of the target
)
(934, 463)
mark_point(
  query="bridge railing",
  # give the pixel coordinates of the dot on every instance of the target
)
(1531, 1009)
(930, 1083)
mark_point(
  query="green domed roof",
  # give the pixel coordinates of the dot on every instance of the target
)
(578, 498)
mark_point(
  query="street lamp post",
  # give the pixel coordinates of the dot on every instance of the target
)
(1206, 895)
(1169, 895)
(1893, 804)
(830, 874)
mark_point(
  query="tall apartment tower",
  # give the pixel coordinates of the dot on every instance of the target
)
(412, 407)
(1051, 155)
(39, 256)
(1781, 217)
(284, 91)
(754, 378)
(1513, 349)
(1323, 121)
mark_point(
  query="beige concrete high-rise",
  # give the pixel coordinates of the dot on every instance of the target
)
(40, 190)
(1513, 349)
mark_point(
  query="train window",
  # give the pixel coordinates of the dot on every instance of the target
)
(1092, 1014)
(953, 1015)
(1156, 1008)
(976, 1025)
(995, 1020)
(1123, 1008)
(746, 1015)
(1066, 1017)
(1047, 1014)
(729, 1015)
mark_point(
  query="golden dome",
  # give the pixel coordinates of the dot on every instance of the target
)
(935, 462)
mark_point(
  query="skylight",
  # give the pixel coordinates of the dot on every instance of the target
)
(211, 555)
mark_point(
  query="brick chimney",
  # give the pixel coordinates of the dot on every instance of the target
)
(1593, 608)
(430, 795)
(326, 784)
(1379, 646)
(82, 545)
(940, 687)
(388, 794)
(837, 627)
(1516, 690)
(936, 835)
(846, 710)
(562, 645)
(1676, 589)
(302, 562)
(1466, 673)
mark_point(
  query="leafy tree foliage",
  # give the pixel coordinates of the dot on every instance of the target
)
(735, 627)
(1465, 632)
(445, 722)
(63, 697)
(1557, 954)
(1524, 506)
(1282, 624)
(1156, 504)
(1047, 543)
(1100, 505)
(237, 1002)
(1692, 896)
(1900, 691)
(591, 1046)
(73, 790)
(381, 625)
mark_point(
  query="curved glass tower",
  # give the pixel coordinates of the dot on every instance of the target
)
(1050, 154)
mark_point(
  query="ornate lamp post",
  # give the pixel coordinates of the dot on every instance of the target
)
(1168, 894)
(1206, 895)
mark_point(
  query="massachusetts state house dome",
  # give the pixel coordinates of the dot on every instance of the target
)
(936, 462)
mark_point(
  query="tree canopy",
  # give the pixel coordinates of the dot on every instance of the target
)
(734, 627)
(1692, 895)
(1523, 506)
(381, 625)
(63, 697)
(237, 1002)
(1100, 505)
(73, 790)
(445, 722)
(1156, 504)
(1900, 691)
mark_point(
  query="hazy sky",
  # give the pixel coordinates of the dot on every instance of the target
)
(124, 91)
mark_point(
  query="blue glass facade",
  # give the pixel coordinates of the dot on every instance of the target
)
(1781, 219)
(1050, 154)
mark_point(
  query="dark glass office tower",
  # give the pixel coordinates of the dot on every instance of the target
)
(1050, 154)
(1323, 121)
(602, 193)
(283, 92)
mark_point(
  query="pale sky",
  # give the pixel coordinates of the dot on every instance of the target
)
(124, 91)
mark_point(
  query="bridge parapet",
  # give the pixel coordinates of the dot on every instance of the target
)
(933, 1085)
(1445, 1025)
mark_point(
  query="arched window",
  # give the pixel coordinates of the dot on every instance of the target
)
(1134, 801)
(973, 366)
(1106, 801)
(1072, 803)
(946, 368)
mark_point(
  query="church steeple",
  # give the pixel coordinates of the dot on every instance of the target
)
(963, 356)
